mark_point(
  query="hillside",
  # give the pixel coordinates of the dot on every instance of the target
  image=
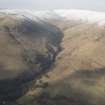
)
(54, 59)
(27, 49)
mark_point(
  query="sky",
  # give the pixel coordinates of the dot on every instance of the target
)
(97, 5)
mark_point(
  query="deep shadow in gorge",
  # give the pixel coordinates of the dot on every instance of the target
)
(11, 89)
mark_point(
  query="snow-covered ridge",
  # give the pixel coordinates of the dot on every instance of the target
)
(75, 14)
(69, 14)
(83, 15)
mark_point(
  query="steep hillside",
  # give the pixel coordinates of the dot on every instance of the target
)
(74, 76)
(78, 74)
(27, 49)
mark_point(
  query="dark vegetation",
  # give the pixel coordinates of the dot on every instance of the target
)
(40, 45)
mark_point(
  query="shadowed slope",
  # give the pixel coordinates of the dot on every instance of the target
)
(27, 49)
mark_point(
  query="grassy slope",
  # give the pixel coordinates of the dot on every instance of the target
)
(78, 75)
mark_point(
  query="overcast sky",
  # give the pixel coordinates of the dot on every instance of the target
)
(98, 5)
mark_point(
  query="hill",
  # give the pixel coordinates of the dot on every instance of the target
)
(27, 48)
(61, 59)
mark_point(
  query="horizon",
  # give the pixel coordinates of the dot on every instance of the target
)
(32, 10)
(93, 5)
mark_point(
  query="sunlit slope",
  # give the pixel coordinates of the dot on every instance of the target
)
(78, 75)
